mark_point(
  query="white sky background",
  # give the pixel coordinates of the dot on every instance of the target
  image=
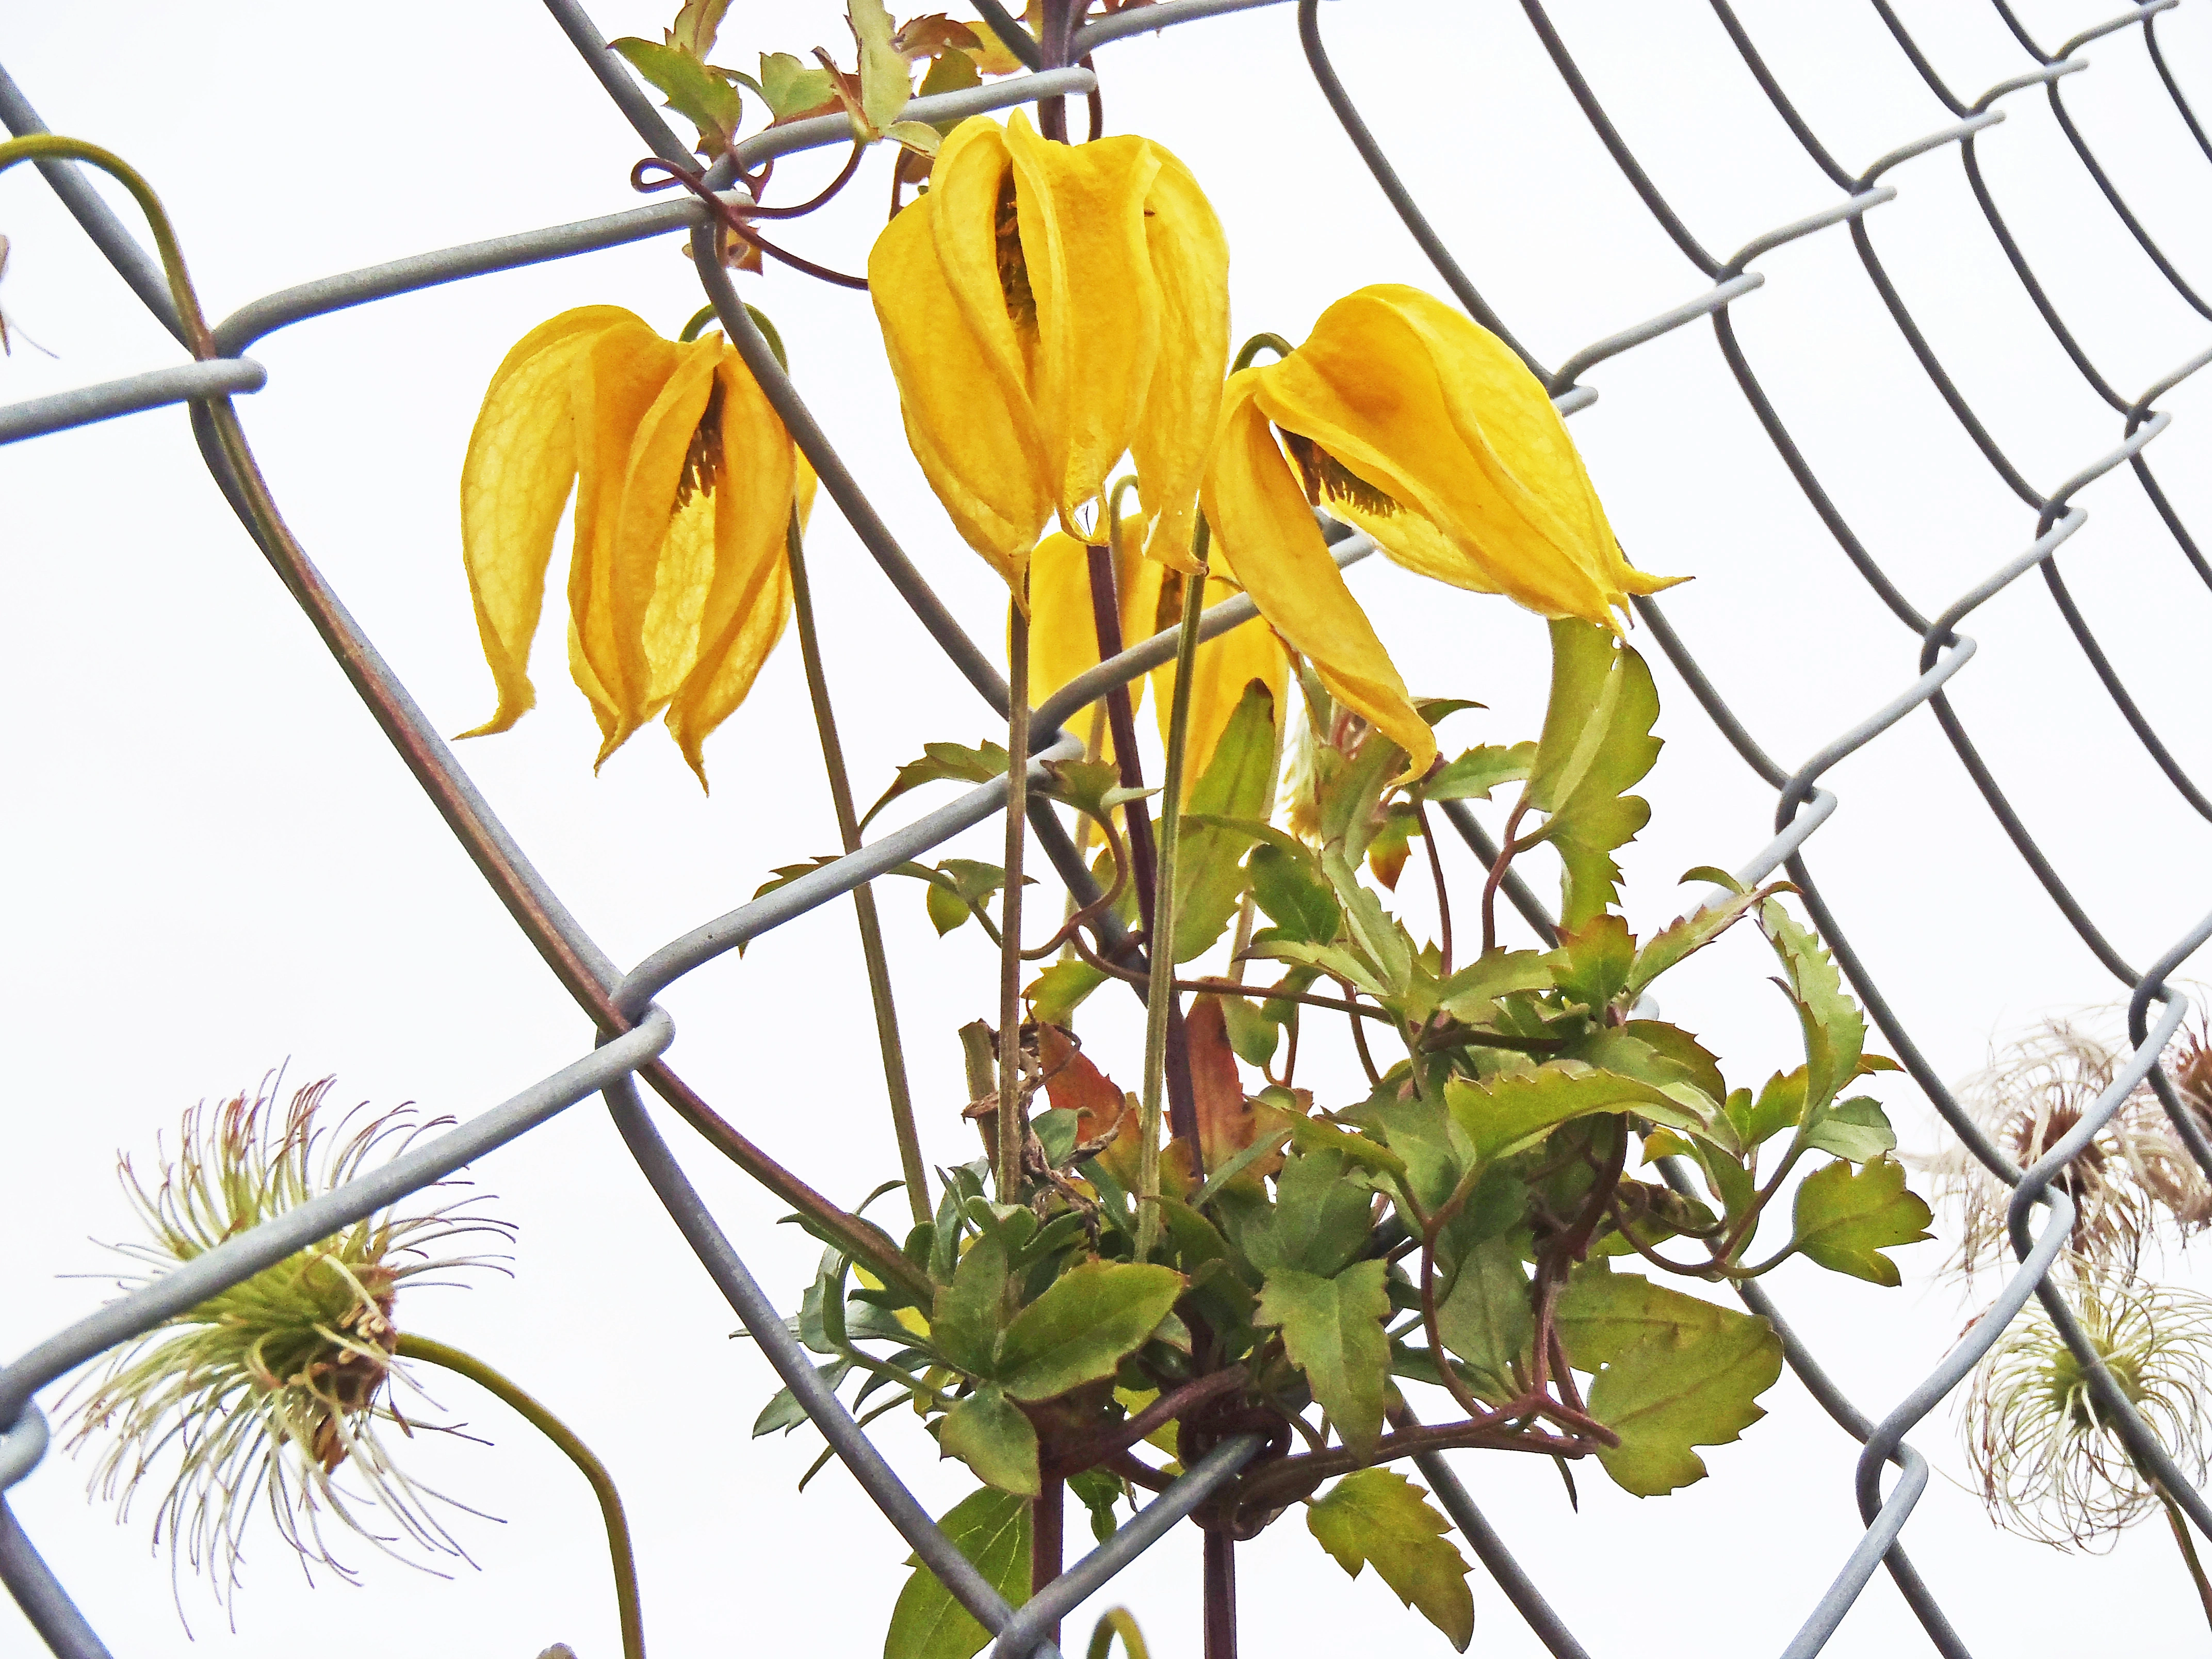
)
(218, 864)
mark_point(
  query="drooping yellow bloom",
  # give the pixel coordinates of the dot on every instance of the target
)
(1064, 639)
(1404, 417)
(1047, 308)
(685, 480)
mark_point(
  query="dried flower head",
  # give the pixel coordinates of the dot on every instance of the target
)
(2133, 1176)
(262, 1392)
(2049, 1464)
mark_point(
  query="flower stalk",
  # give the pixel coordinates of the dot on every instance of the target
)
(431, 1351)
(1010, 1115)
(864, 896)
(1160, 932)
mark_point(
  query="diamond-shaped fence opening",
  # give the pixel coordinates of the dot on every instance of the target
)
(635, 1033)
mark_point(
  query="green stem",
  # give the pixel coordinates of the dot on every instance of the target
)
(2180, 1525)
(432, 1353)
(864, 896)
(1011, 1118)
(1160, 992)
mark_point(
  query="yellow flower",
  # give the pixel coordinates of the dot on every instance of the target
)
(1047, 308)
(1064, 640)
(685, 480)
(1417, 425)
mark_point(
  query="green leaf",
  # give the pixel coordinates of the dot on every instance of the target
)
(784, 1410)
(939, 761)
(1503, 1114)
(700, 94)
(1596, 745)
(989, 1433)
(1856, 1129)
(1251, 1033)
(1420, 1133)
(1845, 1219)
(1486, 1320)
(1375, 932)
(886, 80)
(1835, 1031)
(1319, 1221)
(1333, 1331)
(1676, 1048)
(1378, 1517)
(947, 909)
(1479, 771)
(1592, 960)
(992, 1529)
(1386, 854)
(1333, 960)
(1238, 782)
(1082, 1327)
(1673, 1372)
(1297, 898)
(1686, 935)
(1094, 1489)
(1471, 993)
(1055, 994)
(1780, 1104)
(965, 1322)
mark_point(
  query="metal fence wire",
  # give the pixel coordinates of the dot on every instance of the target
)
(633, 1033)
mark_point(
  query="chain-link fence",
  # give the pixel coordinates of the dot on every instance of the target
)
(635, 1033)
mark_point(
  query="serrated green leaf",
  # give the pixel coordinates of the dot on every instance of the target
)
(1238, 783)
(992, 1529)
(1486, 1320)
(1420, 1133)
(1673, 1372)
(698, 93)
(940, 762)
(1473, 775)
(1333, 1331)
(1845, 1218)
(1597, 744)
(1856, 1129)
(1677, 1048)
(1592, 962)
(1502, 1114)
(989, 1433)
(1055, 995)
(1471, 993)
(1835, 1031)
(783, 1411)
(1687, 935)
(1331, 959)
(1086, 1322)
(1379, 1518)
(1375, 932)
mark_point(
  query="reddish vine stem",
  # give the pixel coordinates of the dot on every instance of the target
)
(1506, 850)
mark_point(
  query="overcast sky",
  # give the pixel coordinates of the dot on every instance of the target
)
(219, 867)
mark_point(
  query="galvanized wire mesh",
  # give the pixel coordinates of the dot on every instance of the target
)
(634, 1033)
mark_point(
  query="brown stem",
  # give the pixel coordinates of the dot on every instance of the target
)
(844, 177)
(1445, 1369)
(1096, 1449)
(1284, 1481)
(1221, 1596)
(2188, 1546)
(1506, 852)
(1136, 1471)
(1366, 1060)
(1144, 857)
(1443, 897)
(1011, 1118)
(1047, 1529)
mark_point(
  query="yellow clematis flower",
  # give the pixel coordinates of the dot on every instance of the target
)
(1047, 308)
(1064, 640)
(685, 480)
(1408, 420)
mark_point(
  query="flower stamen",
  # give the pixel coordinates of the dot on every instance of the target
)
(1327, 478)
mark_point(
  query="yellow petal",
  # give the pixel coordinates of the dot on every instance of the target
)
(521, 461)
(1436, 413)
(1063, 627)
(614, 385)
(1082, 238)
(745, 606)
(1190, 263)
(962, 382)
(1266, 534)
(660, 451)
